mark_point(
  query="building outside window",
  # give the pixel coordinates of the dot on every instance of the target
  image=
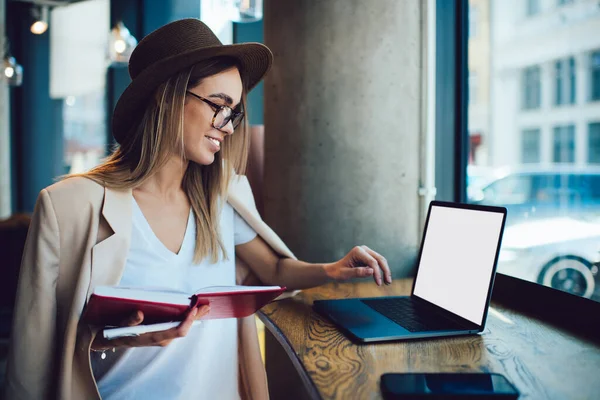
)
(530, 146)
(532, 88)
(594, 143)
(565, 86)
(542, 165)
(564, 144)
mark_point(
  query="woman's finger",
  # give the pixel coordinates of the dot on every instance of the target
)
(136, 318)
(359, 272)
(346, 273)
(202, 311)
(161, 338)
(100, 343)
(183, 328)
(366, 258)
(382, 263)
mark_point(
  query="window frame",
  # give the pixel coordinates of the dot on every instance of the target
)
(572, 313)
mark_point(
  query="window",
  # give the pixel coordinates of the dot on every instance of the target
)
(564, 81)
(594, 143)
(530, 146)
(532, 88)
(595, 75)
(473, 20)
(564, 144)
(542, 165)
(79, 79)
(472, 87)
(532, 7)
(84, 124)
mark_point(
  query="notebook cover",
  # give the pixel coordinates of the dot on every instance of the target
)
(112, 311)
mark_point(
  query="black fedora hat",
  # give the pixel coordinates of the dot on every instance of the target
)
(171, 49)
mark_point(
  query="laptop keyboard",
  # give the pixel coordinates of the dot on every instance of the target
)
(410, 315)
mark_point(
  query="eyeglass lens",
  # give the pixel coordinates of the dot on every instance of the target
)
(224, 116)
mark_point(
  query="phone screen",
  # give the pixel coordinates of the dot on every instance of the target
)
(475, 384)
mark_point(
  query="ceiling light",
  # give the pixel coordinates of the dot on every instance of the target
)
(40, 17)
(121, 44)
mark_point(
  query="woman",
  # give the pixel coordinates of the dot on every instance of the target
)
(165, 209)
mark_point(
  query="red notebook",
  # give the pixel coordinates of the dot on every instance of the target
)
(111, 305)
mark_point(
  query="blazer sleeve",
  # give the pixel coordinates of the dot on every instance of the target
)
(32, 353)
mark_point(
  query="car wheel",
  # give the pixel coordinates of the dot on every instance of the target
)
(570, 274)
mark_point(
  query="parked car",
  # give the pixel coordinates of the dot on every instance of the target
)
(560, 252)
(541, 191)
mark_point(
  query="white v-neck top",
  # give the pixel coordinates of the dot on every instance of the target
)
(202, 365)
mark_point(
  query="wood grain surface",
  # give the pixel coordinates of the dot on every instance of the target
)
(543, 362)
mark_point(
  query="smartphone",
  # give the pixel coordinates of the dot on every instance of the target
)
(447, 386)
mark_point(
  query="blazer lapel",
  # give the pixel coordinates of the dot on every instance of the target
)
(109, 255)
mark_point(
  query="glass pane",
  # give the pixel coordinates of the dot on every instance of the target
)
(84, 124)
(78, 78)
(594, 143)
(531, 87)
(533, 7)
(530, 148)
(564, 144)
(595, 75)
(535, 137)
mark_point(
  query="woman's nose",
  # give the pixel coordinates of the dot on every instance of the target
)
(228, 129)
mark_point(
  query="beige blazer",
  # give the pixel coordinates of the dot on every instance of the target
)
(79, 238)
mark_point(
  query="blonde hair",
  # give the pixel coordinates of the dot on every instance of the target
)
(159, 134)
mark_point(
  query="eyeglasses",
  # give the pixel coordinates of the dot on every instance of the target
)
(223, 114)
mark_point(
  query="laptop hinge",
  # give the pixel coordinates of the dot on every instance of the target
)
(446, 314)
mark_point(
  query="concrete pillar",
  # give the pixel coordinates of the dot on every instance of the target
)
(342, 127)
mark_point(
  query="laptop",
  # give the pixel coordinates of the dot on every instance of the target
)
(452, 287)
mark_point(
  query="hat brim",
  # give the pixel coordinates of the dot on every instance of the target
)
(255, 61)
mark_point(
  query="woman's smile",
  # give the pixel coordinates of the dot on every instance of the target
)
(215, 143)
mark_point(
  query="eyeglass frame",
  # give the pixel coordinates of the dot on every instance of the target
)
(218, 108)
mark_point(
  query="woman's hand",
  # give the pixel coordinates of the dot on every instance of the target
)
(162, 338)
(360, 262)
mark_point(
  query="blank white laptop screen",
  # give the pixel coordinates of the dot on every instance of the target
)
(458, 259)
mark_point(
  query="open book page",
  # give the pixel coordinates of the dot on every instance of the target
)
(152, 294)
(232, 289)
(159, 295)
